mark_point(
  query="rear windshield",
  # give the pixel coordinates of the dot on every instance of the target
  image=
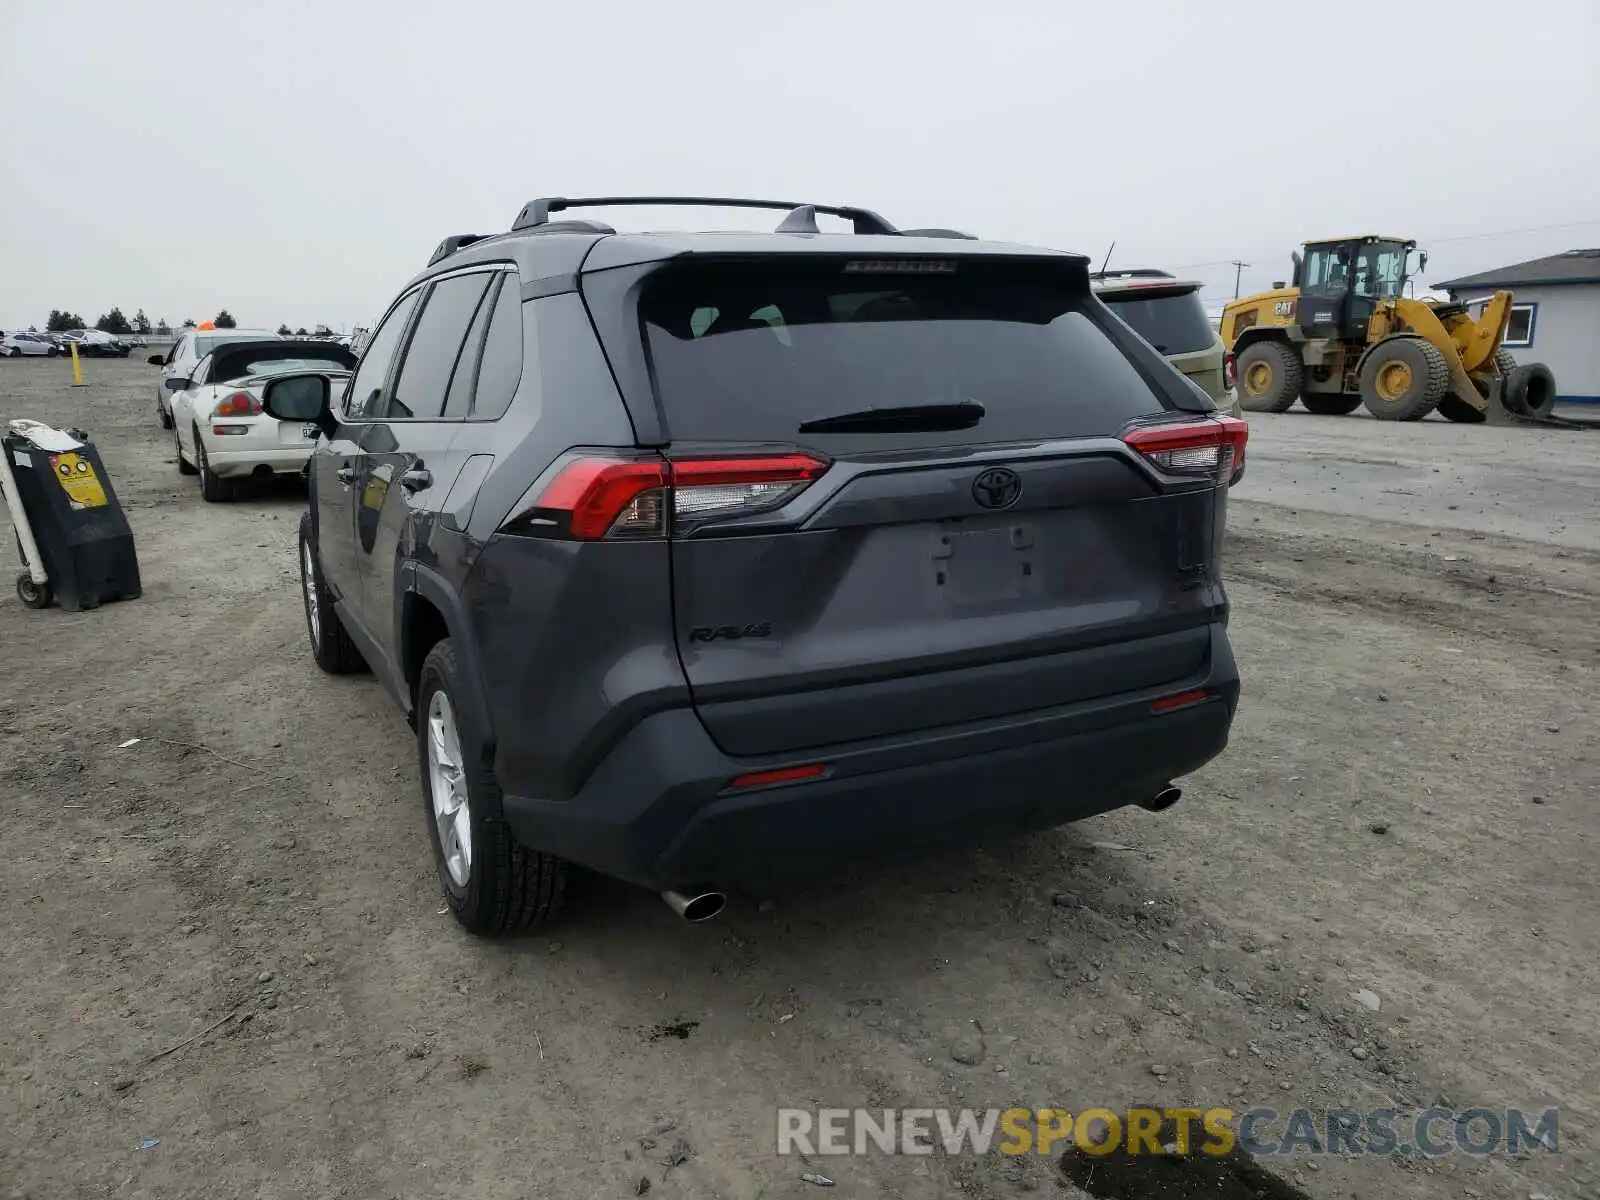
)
(1173, 324)
(750, 352)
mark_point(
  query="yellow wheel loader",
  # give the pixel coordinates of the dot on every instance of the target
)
(1344, 335)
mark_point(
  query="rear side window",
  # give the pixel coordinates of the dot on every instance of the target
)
(1173, 324)
(501, 369)
(750, 352)
(435, 347)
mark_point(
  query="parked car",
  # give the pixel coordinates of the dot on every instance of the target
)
(24, 344)
(94, 343)
(1168, 314)
(698, 559)
(185, 354)
(220, 431)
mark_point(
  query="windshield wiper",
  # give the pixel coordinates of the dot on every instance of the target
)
(909, 418)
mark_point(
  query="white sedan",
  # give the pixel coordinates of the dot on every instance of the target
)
(16, 345)
(222, 434)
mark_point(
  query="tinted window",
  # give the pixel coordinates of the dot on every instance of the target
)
(751, 353)
(1173, 324)
(366, 389)
(458, 401)
(436, 346)
(501, 368)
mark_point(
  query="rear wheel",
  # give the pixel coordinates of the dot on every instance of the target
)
(1270, 376)
(1404, 379)
(1330, 404)
(330, 644)
(491, 883)
(163, 415)
(14, 352)
(213, 487)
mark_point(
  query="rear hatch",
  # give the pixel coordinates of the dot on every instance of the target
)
(1168, 314)
(983, 545)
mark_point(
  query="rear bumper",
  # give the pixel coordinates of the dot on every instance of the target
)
(243, 455)
(657, 811)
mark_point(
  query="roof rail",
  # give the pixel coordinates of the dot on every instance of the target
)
(939, 233)
(453, 243)
(537, 212)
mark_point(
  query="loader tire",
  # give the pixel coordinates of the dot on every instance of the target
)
(1505, 362)
(1404, 379)
(1330, 404)
(1270, 376)
(1530, 390)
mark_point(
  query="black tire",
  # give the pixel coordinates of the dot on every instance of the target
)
(185, 467)
(330, 644)
(1420, 387)
(14, 352)
(1330, 404)
(1531, 390)
(52, 352)
(1282, 371)
(34, 595)
(1453, 408)
(509, 888)
(213, 488)
(163, 415)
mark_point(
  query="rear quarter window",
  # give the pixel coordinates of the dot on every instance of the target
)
(750, 352)
(1174, 323)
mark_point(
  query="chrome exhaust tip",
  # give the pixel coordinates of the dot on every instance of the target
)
(1163, 800)
(697, 906)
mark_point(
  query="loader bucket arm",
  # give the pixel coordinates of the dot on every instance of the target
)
(1478, 341)
(1416, 317)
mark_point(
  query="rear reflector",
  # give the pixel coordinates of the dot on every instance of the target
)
(1212, 448)
(1230, 371)
(761, 779)
(589, 498)
(1180, 700)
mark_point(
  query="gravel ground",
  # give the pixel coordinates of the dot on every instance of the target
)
(227, 939)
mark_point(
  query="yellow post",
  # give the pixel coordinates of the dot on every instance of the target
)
(77, 367)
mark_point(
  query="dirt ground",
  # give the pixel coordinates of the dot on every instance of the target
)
(228, 972)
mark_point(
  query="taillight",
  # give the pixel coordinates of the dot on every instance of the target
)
(1230, 371)
(1212, 448)
(588, 498)
(240, 404)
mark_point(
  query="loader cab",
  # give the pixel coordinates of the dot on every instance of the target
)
(1342, 283)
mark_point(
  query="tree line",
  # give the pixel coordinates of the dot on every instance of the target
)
(63, 320)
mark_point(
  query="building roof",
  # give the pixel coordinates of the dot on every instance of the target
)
(1575, 266)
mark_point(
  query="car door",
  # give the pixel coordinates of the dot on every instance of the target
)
(406, 466)
(187, 404)
(177, 358)
(333, 469)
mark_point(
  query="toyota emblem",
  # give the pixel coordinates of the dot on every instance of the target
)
(998, 487)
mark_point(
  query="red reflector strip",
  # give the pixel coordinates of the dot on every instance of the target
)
(779, 468)
(760, 779)
(1180, 700)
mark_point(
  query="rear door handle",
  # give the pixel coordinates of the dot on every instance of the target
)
(416, 479)
(346, 474)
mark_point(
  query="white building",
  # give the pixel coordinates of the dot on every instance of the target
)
(1555, 316)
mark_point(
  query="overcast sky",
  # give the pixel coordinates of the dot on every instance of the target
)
(297, 161)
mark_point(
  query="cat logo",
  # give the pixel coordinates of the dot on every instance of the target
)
(77, 478)
(1284, 308)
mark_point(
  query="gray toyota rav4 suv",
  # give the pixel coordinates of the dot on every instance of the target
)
(697, 558)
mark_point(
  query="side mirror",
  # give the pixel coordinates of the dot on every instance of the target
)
(157, 360)
(1422, 262)
(304, 399)
(175, 383)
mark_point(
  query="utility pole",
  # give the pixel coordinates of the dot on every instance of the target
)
(1238, 269)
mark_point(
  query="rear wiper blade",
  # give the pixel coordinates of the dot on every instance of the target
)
(909, 418)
